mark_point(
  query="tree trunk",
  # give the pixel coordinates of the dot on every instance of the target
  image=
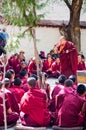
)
(38, 62)
(72, 30)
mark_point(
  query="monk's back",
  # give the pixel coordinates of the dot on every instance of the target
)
(69, 112)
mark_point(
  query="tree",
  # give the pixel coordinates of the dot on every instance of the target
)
(72, 30)
(24, 13)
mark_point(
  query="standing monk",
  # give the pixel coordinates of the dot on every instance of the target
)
(68, 57)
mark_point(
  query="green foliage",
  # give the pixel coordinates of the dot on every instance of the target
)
(23, 12)
(84, 5)
(13, 43)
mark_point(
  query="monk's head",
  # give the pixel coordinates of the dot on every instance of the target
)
(73, 78)
(12, 73)
(6, 82)
(31, 82)
(57, 60)
(34, 76)
(24, 73)
(81, 89)
(79, 58)
(49, 57)
(63, 40)
(61, 79)
(68, 83)
(23, 64)
(17, 82)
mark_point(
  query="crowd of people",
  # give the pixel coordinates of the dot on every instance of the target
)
(35, 105)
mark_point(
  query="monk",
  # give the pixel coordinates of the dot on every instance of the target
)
(24, 77)
(56, 90)
(47, 65)
(33, 106)
(10, 74)
(81, 63)
(17, 90)
(12, 99)
(56, 68)
(14, 63)
(59, 86)
(11, 116)
(71, 113)
(21, 56)
(32, 68)
(73, 78)
(68, 57)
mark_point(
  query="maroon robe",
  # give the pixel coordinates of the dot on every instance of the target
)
(46, 67)
(18, 92)
(14, 64)
(61, 96)
(24, 84)
(13, 102)
(55, 92)
(69, 114)
(34, 114)
(55, 69)
(11, 118)
(81, 66)
(68, 59)
(32, 69)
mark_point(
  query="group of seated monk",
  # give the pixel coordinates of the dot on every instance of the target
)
(49, 64)
(33, 104)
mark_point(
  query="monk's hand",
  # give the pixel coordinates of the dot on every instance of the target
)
(67, 51)
(9, 111)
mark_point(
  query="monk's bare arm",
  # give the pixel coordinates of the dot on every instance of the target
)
(83, 111)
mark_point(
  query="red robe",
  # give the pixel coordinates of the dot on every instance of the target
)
(46, 67)
(81, 66)
(11, 118)
(32, 69)
(55, 92)
(68, 59)
(18, 92)
(34, 108)
(24, 84)
(55, 69)
(12, 100)
(14, 64)
(69, 114)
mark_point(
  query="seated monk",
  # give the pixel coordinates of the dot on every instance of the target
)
(73, 109)
(12, 99)
(14, 63)
(81, 63)
(17, 90)
(10, 74)
(56, 68)
(33, 106)
(55, 91)
(11, 116)
(24, 77)
(47, 65)
(32, 69)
